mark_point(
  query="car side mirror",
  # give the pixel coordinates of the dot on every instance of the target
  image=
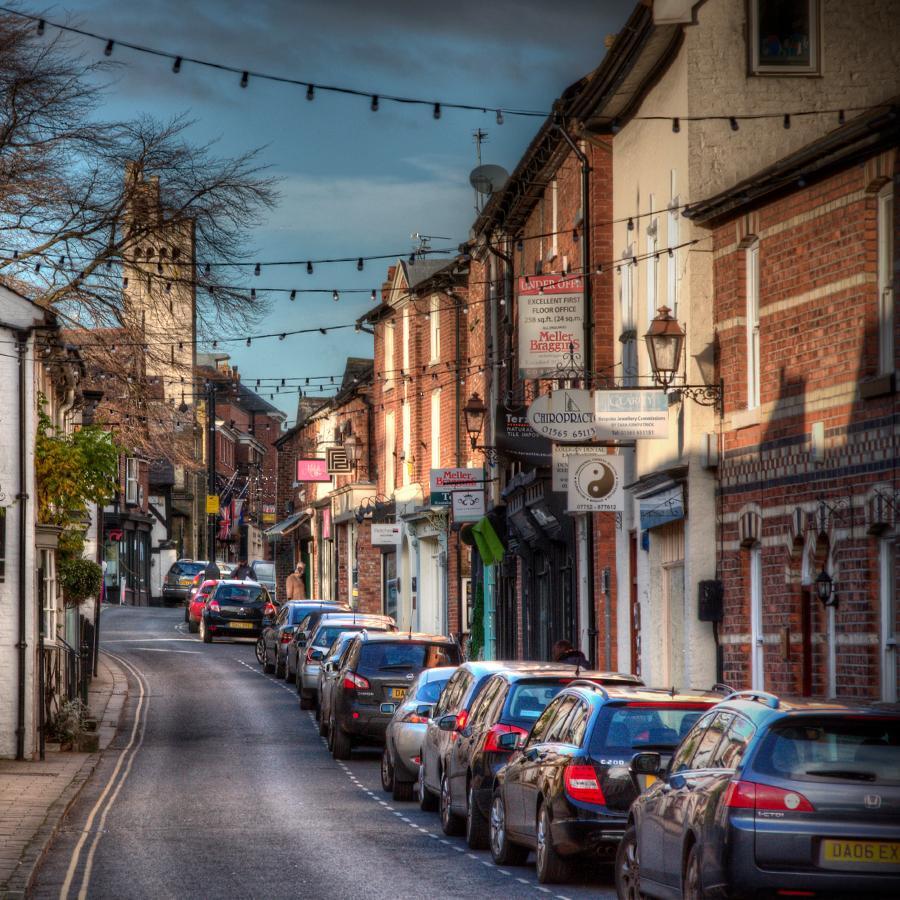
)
(646, 764)
(316, 655)
(300, 637)
(447, 723)
(424, 710)
(511, 740)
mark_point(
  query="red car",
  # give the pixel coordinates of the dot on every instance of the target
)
(196, 604)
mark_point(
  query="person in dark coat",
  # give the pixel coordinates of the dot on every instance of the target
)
(565, 653)
(243, 572)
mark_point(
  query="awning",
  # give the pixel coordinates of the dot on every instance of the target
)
(286, 526)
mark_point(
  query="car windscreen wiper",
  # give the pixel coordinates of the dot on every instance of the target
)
(851, 774)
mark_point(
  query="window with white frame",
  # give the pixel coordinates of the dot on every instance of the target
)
(407, 442)
(390, 449)
(131, 480)
(434, 328)
(48, 590)
(435, 429)
(886, 238)
(405, 362)
(554, 223)
(785, 37)
(753, 369)
(388, 356)
(672, 239)
(628, 336)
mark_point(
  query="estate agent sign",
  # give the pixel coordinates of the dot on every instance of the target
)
(551, 322)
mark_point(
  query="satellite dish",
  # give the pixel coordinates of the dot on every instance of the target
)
(488, 179)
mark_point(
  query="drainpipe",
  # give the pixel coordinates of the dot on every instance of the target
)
(458, 410)
(22, 499)
(588, 358)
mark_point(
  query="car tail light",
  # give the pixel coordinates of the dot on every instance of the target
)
(582, 784)
(490, 742)
(749, 795)
(352, 681)
(309, 654)
(268, 609)
(461, 718)
(214, 606)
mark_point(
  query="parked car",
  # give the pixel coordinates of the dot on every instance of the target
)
(263, 571)
(234, 609)
(296, 649)
(373, 680)
(277, 632)
(767, 797)
(406, 732)
(567, 791)
(179, 579)
(328, 673)
(225, 570)
(194, 608)
(320, 639)
(510, 703)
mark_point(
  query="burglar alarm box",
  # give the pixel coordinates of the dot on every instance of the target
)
(711, 601)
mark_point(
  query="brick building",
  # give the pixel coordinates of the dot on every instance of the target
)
(806, 329)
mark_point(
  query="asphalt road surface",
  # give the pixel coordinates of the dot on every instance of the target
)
(219, 786)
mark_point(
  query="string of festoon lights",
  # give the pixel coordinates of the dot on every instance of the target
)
(541, 281)
(375, 98)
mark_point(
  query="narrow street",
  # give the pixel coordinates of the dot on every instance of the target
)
(218, 785)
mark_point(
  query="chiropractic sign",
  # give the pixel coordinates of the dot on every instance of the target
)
(566, 416)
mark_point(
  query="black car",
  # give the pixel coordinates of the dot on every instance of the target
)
(278, 633)
(765, 797)
(234, 609)
(295, 649)
(374, 677)
(567, 791)
(508, 704)
(328, 673)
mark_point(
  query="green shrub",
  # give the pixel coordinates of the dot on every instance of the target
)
(80, 579)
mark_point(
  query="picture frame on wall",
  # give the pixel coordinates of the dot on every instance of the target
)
(785, 37)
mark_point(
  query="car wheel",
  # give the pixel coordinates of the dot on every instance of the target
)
(692, 883)
(404, 791)
(260, 651)
(451, 823)
(268, 667)
(341, 747)
(205, 634)
(192, 626)
(503, 852)
(323, 725)
(279, 666)
(387, 771)
(187, 617)
(477, 836)
(427, 801)
(628, 867)
(330, 735)
(306, 702)
(551, 867)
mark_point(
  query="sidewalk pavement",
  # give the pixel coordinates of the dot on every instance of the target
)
(35, 796)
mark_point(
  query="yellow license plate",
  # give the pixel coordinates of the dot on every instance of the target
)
(841, 854)
(185, 580)
(398, 693)
(240, 625)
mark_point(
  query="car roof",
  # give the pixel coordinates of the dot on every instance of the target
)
(437, 673)
(516, 671)
(344, 619)
(239, 581)
(761, 706)
(417, 636)
(639, 693)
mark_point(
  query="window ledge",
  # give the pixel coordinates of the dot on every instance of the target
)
(882, 386)
(745, 418)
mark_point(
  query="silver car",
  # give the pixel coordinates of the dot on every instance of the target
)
(330, 625)
(406, 731)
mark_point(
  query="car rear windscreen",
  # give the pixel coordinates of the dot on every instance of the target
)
(405, 655)
(832, 748)
(431, 690)
(238, 594)
(628, 729)
(264, 571)
(527, 699)
(325, 636)
(190, 568)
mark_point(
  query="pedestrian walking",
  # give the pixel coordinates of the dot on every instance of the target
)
(294, 583)
(565, 653)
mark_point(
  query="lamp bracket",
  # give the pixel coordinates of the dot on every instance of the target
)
(702, 394)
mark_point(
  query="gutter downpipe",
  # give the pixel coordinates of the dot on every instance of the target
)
(588, 366)
(22, 498)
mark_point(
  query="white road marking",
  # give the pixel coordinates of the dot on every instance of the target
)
(164, 650)
(520, 880)
(148, 640)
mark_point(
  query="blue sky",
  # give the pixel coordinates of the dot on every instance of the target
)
(353, 182)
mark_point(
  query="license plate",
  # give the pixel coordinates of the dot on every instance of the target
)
(388, 708)
(185, 580)
(869, 855)
(240, 625)
(398, 693)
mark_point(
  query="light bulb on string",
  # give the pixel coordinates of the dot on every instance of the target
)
(309, 267)
(359, 265)
(176, 66)
(310, 92)
(499, 116)
(437, 111)
(257, 269)
(40, 26)
(335, 295)
(293, 295)
(108, 49)
(374, 105)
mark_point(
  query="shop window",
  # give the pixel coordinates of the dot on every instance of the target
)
(785, 37)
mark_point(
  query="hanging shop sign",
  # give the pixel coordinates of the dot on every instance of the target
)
(596, 484)
(627, 415)
(517, 440)
(565, 415)
(337, 460)
(468, 505)
(443, 482)
(551, 323)
(212, 504)
(268, 513)
(563, 458)
(385, 535)
(312, 470)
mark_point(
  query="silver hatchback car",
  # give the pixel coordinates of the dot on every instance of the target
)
(406, 731)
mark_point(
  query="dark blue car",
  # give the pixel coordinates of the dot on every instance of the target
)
(765, 797)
